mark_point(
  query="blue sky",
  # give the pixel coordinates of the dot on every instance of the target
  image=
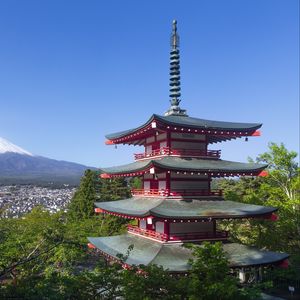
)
(73, 71)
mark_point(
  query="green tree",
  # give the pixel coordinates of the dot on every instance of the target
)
(113, 189)
(280, 189)
(210, 276)
(283, 170)
(82, 204)
(26, 243)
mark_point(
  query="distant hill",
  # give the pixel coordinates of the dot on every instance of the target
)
(18, 166)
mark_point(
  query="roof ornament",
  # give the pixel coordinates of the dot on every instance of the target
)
(175, 110)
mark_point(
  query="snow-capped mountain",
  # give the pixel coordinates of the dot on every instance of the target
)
(20, 166)
(8, 147)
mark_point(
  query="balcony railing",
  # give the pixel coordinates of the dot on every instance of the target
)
(179, 152)
(148, 233)
(174, 193)
(218, 235)
(150, 192)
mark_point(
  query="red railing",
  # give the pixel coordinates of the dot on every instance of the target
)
(166, 192)
(179, 152)
(178, 236)
(148, 233)
(150, 192)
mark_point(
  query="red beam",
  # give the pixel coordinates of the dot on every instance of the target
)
(109, 142)
(263, 174)
(256, 133)
(272, 217)
(105, 175)
(91, 246)
(284, 264)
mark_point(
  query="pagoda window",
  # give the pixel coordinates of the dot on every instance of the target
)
(150, 139)
(148, 176)
(161, 175)
(146, 185)
(160, 227)
(143, 224)
(148, 149)
(162, 185)
(161, 137)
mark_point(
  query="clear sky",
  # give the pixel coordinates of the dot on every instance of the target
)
(73, 71)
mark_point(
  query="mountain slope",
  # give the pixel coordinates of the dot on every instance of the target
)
(8, 147)
(20, 166)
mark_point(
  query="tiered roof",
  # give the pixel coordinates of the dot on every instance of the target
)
(213, 167)
(206, 208)
(217, 131)
(175, 257)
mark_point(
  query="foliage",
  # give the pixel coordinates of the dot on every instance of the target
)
(58, 273)
(44, 252)
(209, 277)
(112, 189)
(280, 189)
(136, 183)
(25, 241)
(82, 204)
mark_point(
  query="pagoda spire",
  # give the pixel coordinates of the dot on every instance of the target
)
(175, 110)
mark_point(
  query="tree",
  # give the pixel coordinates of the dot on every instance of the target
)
(210, 276)
(113, 189)
(280, 189)
(28, 240)
(283, 170)
(82, 204)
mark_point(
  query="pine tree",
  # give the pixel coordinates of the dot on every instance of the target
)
(113, 189)
(82, 204)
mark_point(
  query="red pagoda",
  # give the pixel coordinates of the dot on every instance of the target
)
(177, 204)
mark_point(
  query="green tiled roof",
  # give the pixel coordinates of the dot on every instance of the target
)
(214, 208)
(191, 123)
(174, 257)
(186, 164)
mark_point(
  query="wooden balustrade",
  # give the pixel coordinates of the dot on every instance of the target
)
(178, 193)
(218, 235)
(147, 233)
(179, 152)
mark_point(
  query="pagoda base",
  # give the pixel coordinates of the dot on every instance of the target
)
(175, 257)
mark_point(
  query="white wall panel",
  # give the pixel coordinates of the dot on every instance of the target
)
(160, 227)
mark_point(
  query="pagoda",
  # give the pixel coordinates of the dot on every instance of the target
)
(176, 203)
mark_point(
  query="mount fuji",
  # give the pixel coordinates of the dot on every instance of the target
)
(18, 166)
